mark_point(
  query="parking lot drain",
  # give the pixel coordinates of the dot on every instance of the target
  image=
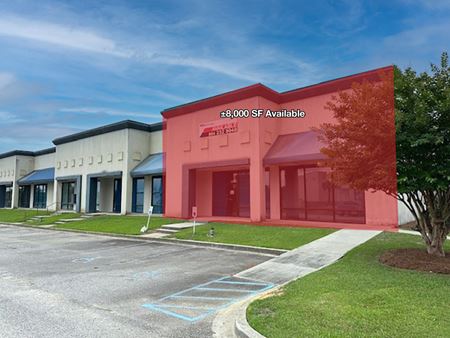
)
(200, 301)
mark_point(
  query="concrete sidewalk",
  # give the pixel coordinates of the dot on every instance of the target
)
(308, 258)
(285, 268)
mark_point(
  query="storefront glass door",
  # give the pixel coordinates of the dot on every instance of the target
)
(24, 196)
(231, 193)
(117, 200)
(40, 196)
(68, 196)
(157, 195)
(138, 195)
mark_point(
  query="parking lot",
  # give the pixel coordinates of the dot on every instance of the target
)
(61, 284)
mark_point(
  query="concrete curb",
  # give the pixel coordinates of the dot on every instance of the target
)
(237, 315)
(221, 246)
(242, 328)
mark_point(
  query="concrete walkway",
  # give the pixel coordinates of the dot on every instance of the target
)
(170, 229)
(285, 268)
(308, 258)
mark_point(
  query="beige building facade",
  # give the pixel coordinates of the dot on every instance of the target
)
(90, 171)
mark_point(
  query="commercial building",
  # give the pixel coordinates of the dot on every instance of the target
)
(116, 168)
(264, 166)
(257, 168)
(26, 179)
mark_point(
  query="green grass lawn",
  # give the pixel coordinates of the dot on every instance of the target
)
(127, 225)
(359, 297)
(254, 235)
(19, 215)
(53, 219)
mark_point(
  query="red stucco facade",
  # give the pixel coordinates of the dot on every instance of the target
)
(225, 175)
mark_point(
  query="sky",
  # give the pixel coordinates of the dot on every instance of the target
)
(67, 66)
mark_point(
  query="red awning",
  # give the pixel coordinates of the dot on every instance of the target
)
(299, 147)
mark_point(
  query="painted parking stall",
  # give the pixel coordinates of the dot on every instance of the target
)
(200, 301)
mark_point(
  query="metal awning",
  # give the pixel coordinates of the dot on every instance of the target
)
(298, 147)
(7, 183)
(38, 177)
(152, 165)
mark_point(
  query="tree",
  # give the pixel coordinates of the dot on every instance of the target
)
(423, 149)
(360, 144)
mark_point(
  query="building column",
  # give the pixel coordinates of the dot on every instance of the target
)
(127, 189)
(257, 192)
(15, 195)
(275, 212)
(204, 193)
(31, 196)
(56, 195)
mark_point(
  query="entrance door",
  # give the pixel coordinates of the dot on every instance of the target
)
(138, 194)
(40, 196)
(231, 193)
(93, 194)
(2, 196)
(8, 196)
(157, 194)
(117, 201)
(68, 196)
(24, 196)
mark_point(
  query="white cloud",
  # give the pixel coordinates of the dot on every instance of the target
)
(167, 96)
(109, 112)
(70, 37)
(7, 117)
(162, 50)
(216, 66)
(425, 36)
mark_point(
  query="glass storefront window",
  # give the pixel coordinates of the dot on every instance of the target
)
(307, 194)
(40, 196)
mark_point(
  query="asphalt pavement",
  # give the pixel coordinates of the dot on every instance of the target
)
(61, 284)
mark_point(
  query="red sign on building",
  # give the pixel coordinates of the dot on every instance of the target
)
(219, 127)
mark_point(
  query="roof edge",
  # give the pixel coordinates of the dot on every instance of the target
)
(45, 151)
(27, 152)
(258, 89)
(126, 124)
(16, 153)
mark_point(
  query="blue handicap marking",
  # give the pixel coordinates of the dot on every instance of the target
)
(200, 301)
